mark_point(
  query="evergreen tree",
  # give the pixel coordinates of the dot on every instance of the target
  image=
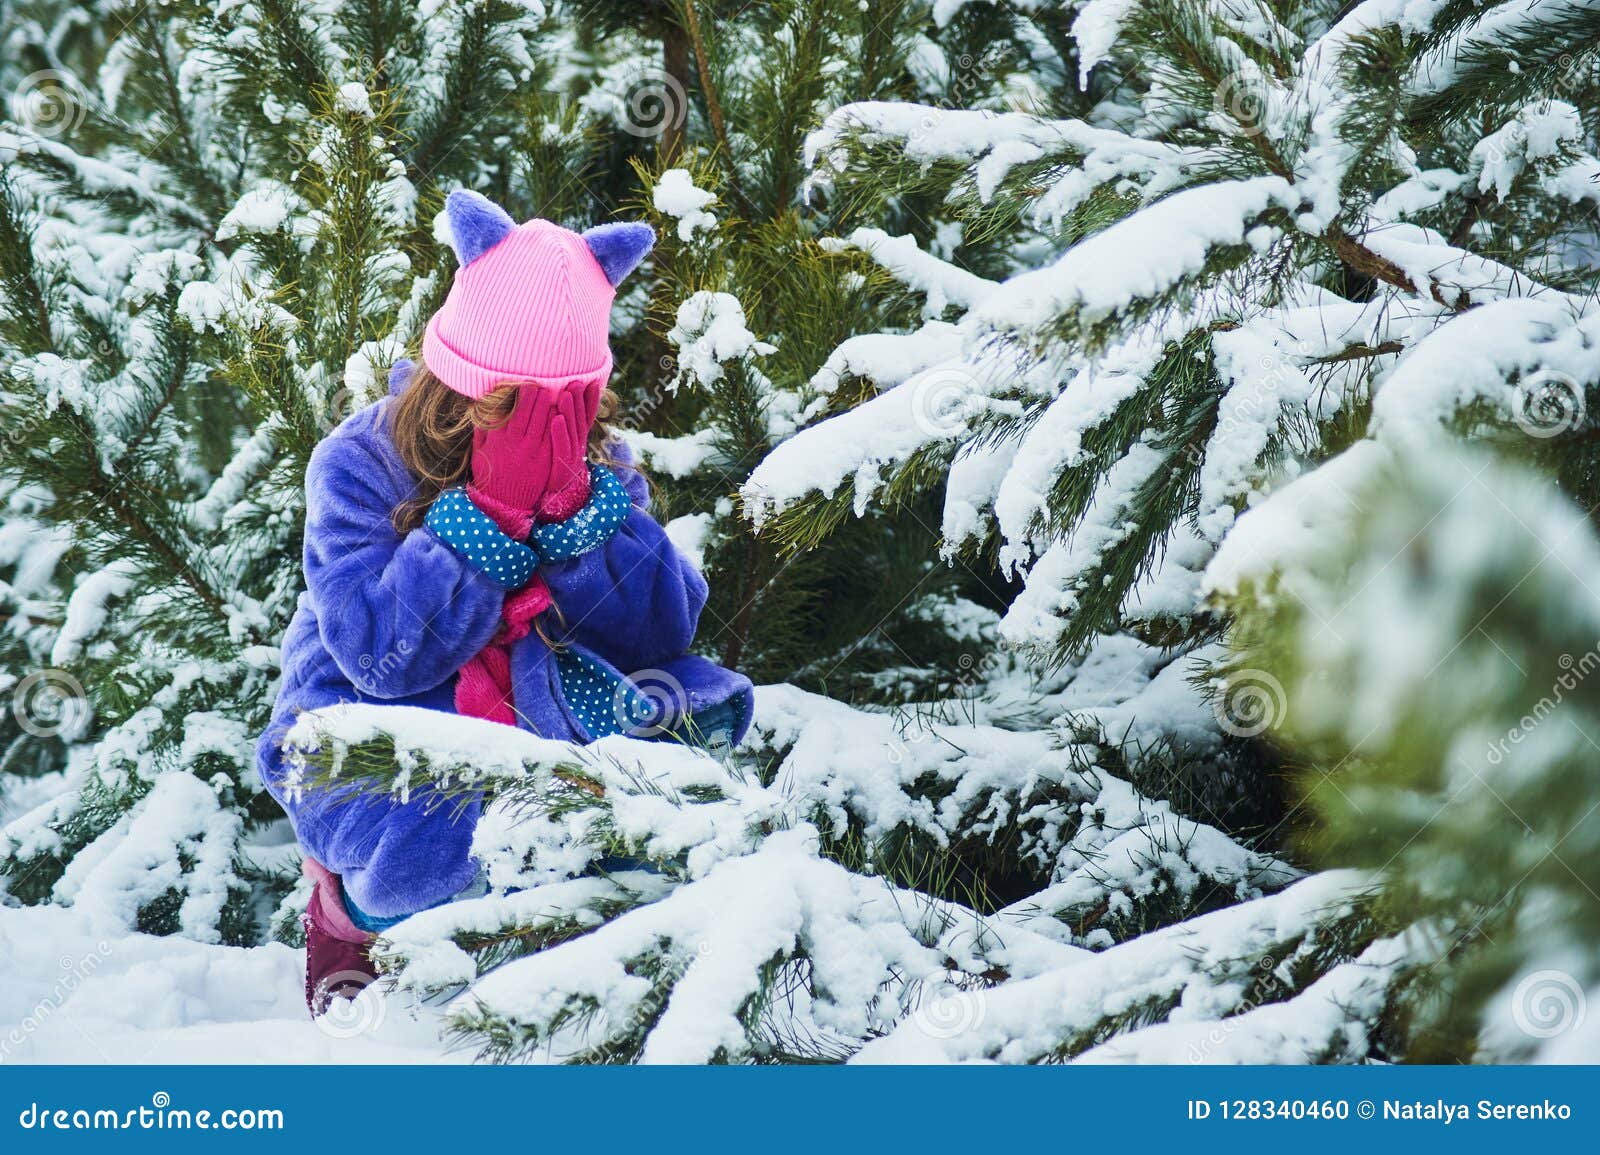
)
(1281, 230)
(1462, 733)
(214, 241)
(1005, 825)
(749, 303)
(1005, 365)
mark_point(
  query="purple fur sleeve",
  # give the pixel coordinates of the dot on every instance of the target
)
(636, 600)
(398, 615)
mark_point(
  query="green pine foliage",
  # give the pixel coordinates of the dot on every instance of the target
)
(1247, 246)
(1005, 367)
(215, 237)
(1462, 732)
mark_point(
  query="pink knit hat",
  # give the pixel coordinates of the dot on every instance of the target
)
(531, 303)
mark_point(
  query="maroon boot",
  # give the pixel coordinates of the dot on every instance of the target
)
(337, 966)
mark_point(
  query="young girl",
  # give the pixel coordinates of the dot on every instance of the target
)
(477, 543)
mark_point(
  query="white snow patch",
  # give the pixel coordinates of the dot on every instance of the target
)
(675, 195)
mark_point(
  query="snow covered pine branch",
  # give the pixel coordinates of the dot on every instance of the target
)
(1112, 502)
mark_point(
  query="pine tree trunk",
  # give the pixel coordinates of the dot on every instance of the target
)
(749, 589)
(675, 62)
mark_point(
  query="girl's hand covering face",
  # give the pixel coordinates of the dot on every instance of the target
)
(537, 459)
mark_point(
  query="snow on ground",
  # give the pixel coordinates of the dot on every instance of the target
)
(71, 996)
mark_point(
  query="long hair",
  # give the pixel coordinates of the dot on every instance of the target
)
(431, 426)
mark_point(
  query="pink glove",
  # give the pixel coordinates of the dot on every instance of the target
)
(535, 466)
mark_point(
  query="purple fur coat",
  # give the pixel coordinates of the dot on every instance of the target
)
(387, 618)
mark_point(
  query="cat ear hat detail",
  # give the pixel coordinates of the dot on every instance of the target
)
(531, 302)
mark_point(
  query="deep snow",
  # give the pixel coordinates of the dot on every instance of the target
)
(70, 995)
